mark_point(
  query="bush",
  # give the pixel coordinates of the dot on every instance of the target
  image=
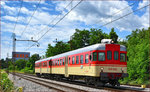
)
(6, 84)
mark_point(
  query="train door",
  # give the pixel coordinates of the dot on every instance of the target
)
(66, 66)
(40, 68)
(50, 66)
(47, 66)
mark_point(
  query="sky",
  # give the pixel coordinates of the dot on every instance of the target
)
(35, 20)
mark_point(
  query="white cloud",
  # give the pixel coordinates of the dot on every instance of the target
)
(88, 12)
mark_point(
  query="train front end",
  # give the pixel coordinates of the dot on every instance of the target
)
(112, 63)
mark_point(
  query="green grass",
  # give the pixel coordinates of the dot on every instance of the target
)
(6, 85)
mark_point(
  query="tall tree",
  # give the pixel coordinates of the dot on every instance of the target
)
(50, 51)
(80, 39)
(96, 35)
(113, 35)
(138, 64)
(34, 58)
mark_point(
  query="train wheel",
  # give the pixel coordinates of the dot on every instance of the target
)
(113, 83)
(96, 84)
(117, 83)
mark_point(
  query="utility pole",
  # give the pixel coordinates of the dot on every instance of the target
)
(14, 50)
(13, 57)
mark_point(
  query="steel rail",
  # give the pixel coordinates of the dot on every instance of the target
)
(56, 86)
(108, 88)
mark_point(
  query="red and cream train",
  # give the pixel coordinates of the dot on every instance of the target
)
(97, 64)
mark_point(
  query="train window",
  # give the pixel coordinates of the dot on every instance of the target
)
(69, 60)
(86, 58)
(116, 55)
(77, 59)
(122, 57)
(109, 55)
(101, 56)
(56, 62)
(73, 60)
(63, 61)
(81, 59)
(60, 61)
(94, 56)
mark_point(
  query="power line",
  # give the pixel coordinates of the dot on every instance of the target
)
(18, 15)
(55, 17)
(31, 17)
(56, 23)
(60, 20)
(125, 8)
(119, 11)
(124, 15)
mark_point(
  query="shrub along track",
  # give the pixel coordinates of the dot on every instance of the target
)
(59, 86)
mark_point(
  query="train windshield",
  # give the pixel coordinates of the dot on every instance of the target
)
(101, 56)
(122, 57)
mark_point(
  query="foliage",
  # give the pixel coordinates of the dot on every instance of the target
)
(113, 35)
(6, 85)
(138, 61)
(32, 60)
(20, 64)
(81, 38)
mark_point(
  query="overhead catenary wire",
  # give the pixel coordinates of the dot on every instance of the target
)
(31, 17)
(124, 8)
(54, 18)
(18, 15)
(124, 15)
(56, 23)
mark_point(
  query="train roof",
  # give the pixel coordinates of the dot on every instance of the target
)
(100, 46)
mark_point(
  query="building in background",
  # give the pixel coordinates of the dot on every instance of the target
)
(21, 55)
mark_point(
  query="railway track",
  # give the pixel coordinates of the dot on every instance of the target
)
(72, 86)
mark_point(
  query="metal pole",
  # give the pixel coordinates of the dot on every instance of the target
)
(13, 57)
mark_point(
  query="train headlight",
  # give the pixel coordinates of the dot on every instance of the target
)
(102, 69)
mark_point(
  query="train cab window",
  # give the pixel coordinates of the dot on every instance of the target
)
(122, 57)
(109, 55)
(101, 56)
(86, 58)
(81, 59)
(77, 59)
(94, 56)
(73, 60)
(63, 61)
(116, 55)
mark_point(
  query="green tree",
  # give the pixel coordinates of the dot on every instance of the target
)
(138, 63)
(80, 39)
(113, 35)
(32, 60)
(96, 35)
(21, 63)
(50, 51)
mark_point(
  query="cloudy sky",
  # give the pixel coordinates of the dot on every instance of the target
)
(34, 20)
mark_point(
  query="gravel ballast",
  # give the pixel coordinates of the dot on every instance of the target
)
(28, 85)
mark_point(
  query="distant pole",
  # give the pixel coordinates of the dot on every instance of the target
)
(13, 57)
(7, 63)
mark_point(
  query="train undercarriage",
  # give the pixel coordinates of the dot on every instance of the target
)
(112, 79)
